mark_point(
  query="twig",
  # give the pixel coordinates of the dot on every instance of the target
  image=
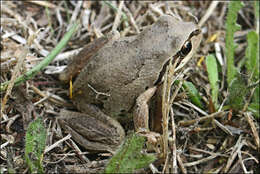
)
(209, 11)
(241, 161)
(19, 18)
(9, 138)
(183, 169)
(75, 13)
(118, 16)
(47, 4)
(234, 152)
(200, 161)
(189, 122)
(78, 151)
(53, 99)
(153, 168)
(195, 107)
(21, 54)
(41, 100)
(131, 19)
(10, 122)
(221, 126)
(49, 148)
(166, 167)
(167, 101)
(124, 17)
(207, 152)
(174, 149)
(253, 128)
(164, 114)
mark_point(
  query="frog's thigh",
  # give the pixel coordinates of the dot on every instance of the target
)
(141, 111)
(96, 132)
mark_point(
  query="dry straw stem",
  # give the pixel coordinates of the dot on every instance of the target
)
(211, 116)
(174, 148)
(194, 163)
(207, 152)
(240, 143)
(166, 166)
(81, 155)
(75, 14)
(222, 127)
(118, 16)
(208, 13)
(31, 73)
(49, 148)
(47, 4)
(10, 122)
(182, 167)
(52, 98)
(21, 55)
(166, 105)
(167, 101)
(253, 128)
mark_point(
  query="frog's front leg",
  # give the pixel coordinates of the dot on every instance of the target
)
(141, 113)
(94, 130)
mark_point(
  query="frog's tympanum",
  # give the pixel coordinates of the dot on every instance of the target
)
(120, 76)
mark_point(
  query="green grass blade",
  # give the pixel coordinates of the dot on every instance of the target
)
(252, 55)
(231, 28)
(35, 144)
(212, 69)
(252, 66)
(193, 94)
(129, 157)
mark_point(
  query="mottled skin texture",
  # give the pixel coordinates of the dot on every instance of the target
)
(113, 79)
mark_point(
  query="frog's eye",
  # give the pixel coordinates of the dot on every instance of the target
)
(186, 48)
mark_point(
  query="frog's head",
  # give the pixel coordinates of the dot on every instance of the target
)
(183, 38)
(180, 37)
(169, 37)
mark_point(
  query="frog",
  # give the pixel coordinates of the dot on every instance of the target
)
(119, 80)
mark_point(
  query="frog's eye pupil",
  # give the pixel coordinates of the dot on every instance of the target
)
(186, 48)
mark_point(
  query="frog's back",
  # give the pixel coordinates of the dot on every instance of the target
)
(111, 79)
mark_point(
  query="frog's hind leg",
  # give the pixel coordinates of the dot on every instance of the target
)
(94, 131)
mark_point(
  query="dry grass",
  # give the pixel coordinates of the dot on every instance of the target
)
(194, 140)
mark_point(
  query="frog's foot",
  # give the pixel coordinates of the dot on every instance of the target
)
(152, 137)
(95, 133)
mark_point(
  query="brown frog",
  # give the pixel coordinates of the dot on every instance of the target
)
(120, 76)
